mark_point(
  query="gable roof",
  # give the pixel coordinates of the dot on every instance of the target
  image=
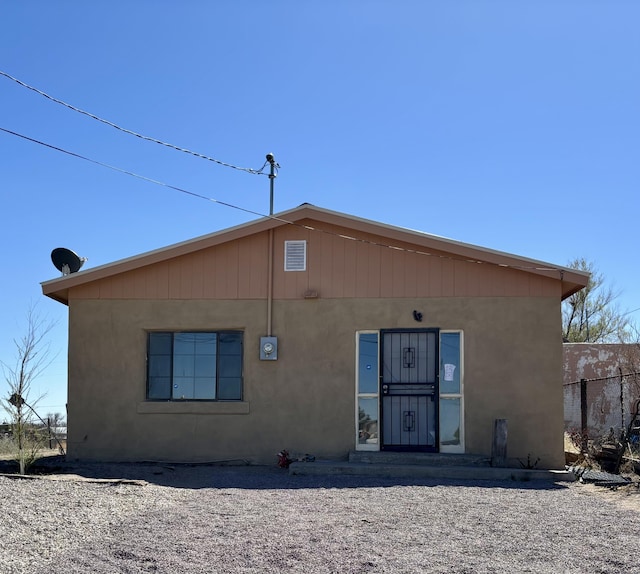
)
(572, 280)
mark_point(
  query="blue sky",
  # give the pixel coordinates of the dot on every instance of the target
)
(510, 125)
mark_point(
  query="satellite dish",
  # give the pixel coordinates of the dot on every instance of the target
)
(66, 261)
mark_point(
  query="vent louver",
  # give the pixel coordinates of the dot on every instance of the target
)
(295, 255)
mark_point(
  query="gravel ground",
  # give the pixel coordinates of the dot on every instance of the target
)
(107, 519)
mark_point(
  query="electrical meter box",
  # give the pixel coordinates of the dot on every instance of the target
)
(268, 348)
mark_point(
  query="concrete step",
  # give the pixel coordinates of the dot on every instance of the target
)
(418, 458)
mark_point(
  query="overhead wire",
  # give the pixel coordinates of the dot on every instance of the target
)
(127, 172)
(274, 217)
(131, 132)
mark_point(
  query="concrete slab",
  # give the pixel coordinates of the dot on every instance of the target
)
(428, 471)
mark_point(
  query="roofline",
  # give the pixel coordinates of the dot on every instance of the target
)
(153, 256)
(572, 279)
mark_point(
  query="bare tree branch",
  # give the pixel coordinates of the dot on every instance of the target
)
(32, 356)
(591, 315)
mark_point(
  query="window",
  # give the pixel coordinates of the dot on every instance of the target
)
(194, 366)
(295, 255)
(367, 390)
(451, 392)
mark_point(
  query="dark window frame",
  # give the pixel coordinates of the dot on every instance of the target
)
(170, 374)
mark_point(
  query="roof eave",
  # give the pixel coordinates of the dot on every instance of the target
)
(572, 279)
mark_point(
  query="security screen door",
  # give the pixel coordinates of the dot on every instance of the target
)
(409, 390)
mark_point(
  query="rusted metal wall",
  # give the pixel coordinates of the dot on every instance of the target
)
(611, 383)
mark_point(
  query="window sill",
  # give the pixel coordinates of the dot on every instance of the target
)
(193, 408)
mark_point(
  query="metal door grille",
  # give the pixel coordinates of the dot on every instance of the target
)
(409, 389)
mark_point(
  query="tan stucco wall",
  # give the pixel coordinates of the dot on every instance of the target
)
(305, 401)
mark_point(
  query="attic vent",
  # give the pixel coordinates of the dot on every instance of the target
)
(295, 255)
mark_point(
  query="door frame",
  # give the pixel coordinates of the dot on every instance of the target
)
(370, 395)
(434, 396)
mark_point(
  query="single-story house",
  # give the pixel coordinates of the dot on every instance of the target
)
(316, 332)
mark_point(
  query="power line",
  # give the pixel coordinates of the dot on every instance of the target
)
(275, 217)
(130, 132)
(126, 172)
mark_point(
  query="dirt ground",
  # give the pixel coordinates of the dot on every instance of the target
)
(55, 467)
(134, 518)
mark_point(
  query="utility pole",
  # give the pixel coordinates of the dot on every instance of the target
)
(272, 176)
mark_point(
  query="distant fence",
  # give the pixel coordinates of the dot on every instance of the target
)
(596, 408)
(48, 436)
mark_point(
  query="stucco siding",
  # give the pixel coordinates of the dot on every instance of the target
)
(305, 401)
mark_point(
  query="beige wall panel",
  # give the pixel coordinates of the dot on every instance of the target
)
(371, 256)
(361, 289)
(304, 401)
(314, 265)
(322, 249)
(220, 273)
(410, 278)
(175, 279)
(87, 291)
(421, 276)
(447, 277)
(156, 281)
(351, 276)
(233, 270)
(139, 284)
(118, 287)
(210, 267)
(253, 270)
(291, 284)
(319, 263)
(478, 281)
(512, 281)
(196, 275)
(491, 282)
(122, 289)
(433, 285)
(547, 288)
(397, 275)
(336, 268)
(231, 252)
(136, 285)
(186, 277)
(245, 268)
(386, 272)
(106, 288)
(226, 271)
(463, 274)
